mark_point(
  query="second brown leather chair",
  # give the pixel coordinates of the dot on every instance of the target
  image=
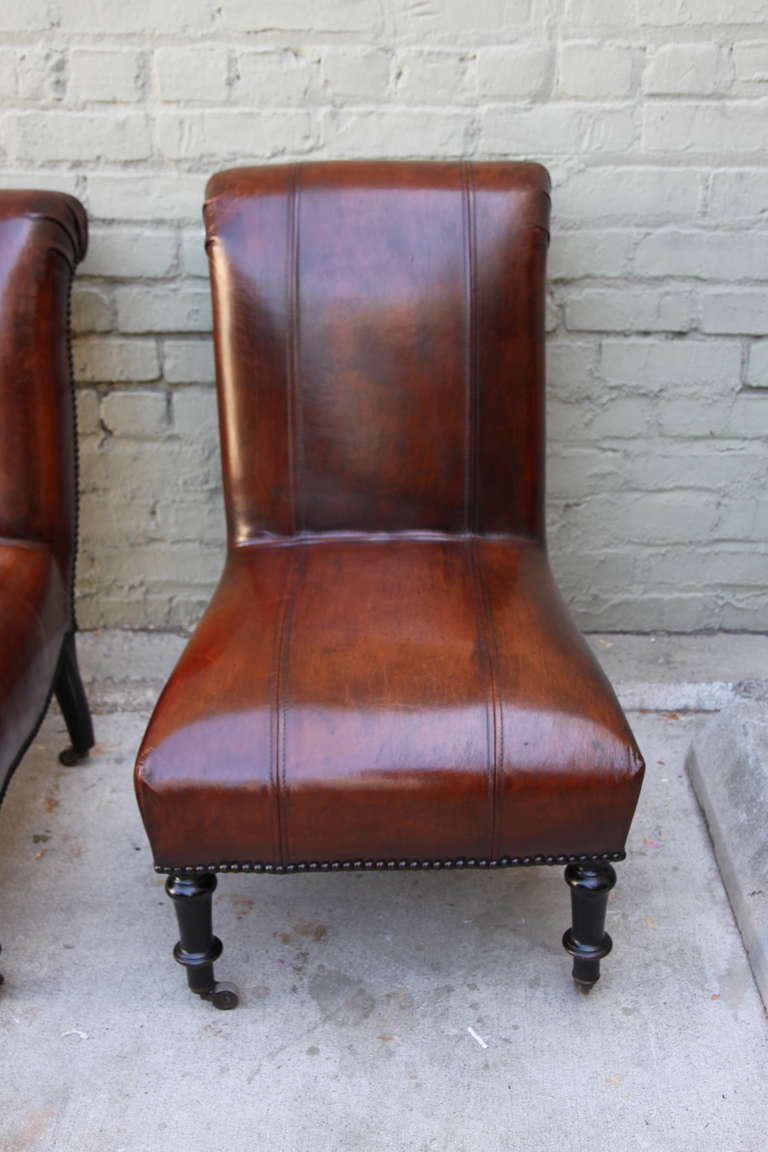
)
(43, 235)
(386, 677)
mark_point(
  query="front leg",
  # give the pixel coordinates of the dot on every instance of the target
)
(198, 948)
(587, 941)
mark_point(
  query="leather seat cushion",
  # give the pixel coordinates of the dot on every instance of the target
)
(362, 697)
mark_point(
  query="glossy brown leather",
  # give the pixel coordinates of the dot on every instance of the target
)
(42, 237)
(386, 671)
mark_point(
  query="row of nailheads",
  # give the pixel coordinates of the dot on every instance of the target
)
(393, 865)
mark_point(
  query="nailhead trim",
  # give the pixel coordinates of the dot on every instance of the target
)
(393, 865)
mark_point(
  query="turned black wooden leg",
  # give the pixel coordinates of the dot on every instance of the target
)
(198, 947)
(74, 705)
(587, 941)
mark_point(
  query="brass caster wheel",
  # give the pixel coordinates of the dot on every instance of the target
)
(223, 996)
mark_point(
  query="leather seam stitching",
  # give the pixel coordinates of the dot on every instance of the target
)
(290, 277)
(488, 687)
(471, 416)
(498, 726)
(298, 514)
(282, 685)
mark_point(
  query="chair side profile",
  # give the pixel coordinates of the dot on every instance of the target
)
(43, 236)
(386, 677)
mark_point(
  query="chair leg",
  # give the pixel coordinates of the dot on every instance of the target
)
(587, 941)
(198, 948)
(74, 705)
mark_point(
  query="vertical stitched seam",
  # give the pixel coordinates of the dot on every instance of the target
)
(290, 269)
(467, 344)
(277, 771)
(498, 727)
(488, 686)
(474, 351)
(298, 430)
(276, 719)
(288, 625)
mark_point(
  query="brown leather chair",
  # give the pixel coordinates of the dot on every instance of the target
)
(386, 677)
(43, 235)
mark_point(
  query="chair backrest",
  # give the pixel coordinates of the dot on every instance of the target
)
(42, 237)
(379, 332)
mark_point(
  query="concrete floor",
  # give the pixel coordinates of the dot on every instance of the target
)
(358, 992)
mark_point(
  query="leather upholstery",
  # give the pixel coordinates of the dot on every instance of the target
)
(43, 235)
(386, 670)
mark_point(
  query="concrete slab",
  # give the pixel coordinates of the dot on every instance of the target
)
(359, 992)
(728, 765)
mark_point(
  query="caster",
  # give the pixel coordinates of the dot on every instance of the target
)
(70, 757)
(223, 996)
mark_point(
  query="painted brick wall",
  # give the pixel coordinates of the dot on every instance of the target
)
(652, 116)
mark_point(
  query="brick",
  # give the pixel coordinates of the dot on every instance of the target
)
(234, 134)
(623, 418)
(735, 311)
(595, 71)
(154, 196)
(195, 415)
(105, 75)
(300, 15)
(652, 517)
(197, 74)
(396, 132)
(443, 20)
(573, 473)
(30, 74)
(87, 412)
(671, 12)
(355, 73)
(686, 417)
(703, 255)
(507, 72)
(631, 194)
(602, 13)
(130, 252)
(757, 373)
(705, 128)
(575, 255)
(739, 194)
(173, 17)
(54, 179)
(194, 259)
(550, 129)
(431, 77)
(115, 361)
(77, 136)
(629, 310)
(188, 362)
(682, 69)
(750, 65)
(92, 309)
(272, 77)
(31, 16)
(673, 463)
(135, 414)
(165, 470)
(570, 368)
(748, 417)
(176, 309)
(699, 366)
